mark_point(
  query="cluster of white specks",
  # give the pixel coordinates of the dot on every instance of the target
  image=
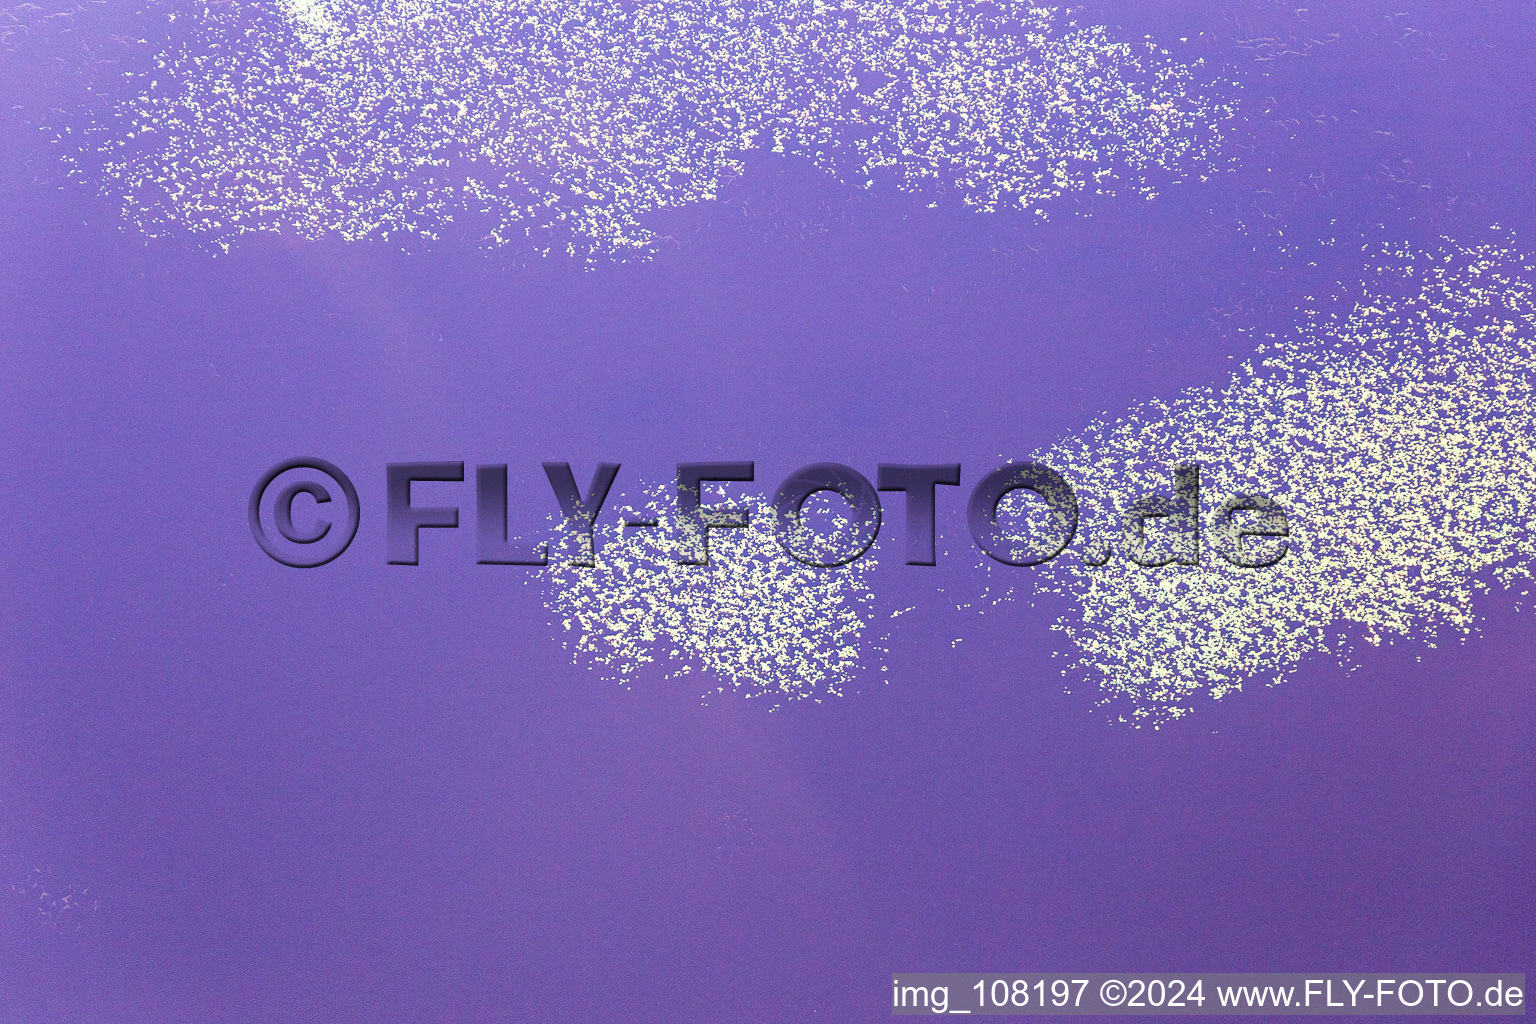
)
(736, 835)
(56, 906)
(565, 125)
(754, 620)
(1399, 437)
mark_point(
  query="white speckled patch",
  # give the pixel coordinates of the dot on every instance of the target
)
(1401, 439)
(755, 621)
(564, 125)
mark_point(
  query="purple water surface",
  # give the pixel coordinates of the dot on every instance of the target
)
(386, 794)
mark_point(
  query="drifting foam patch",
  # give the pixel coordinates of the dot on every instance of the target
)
(565, 125)
(1400, 438)
(758, 622)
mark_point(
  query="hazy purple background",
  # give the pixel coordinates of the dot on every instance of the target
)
(377, 794)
